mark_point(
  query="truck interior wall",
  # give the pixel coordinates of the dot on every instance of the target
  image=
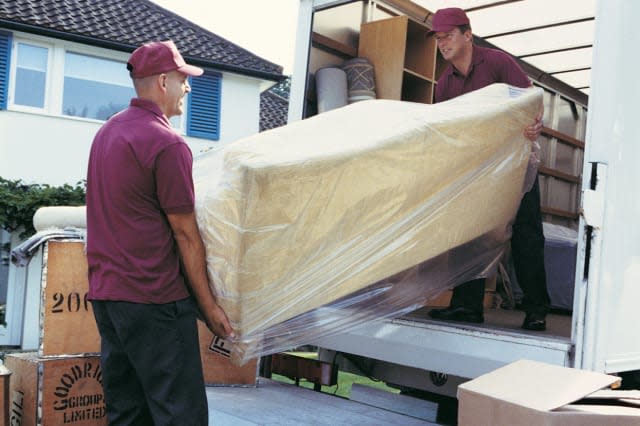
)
(561, 192)
(340, 23)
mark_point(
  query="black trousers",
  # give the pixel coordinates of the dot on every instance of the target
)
(152, 371)
(527, 250)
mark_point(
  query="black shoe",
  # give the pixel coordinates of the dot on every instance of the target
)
(534, 322)
(459, 313)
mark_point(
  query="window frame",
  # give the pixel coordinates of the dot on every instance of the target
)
(11, 93)
(86, 53)
(54, 81)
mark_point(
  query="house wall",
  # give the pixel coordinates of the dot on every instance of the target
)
(240, 110)
(39, 148)
(44, 149)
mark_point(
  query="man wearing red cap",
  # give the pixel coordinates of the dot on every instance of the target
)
(145, 254)
(470, 68)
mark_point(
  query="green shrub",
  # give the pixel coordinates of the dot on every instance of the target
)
(19, 202)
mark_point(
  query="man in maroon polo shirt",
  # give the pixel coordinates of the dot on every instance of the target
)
(470, 68)
(146, 257)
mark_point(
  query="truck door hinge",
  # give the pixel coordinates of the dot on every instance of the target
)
(593, 198)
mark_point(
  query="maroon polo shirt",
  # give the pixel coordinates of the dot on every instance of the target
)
(488, 66)
(139, 171)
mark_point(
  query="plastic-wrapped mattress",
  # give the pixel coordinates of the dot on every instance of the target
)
(301, 216)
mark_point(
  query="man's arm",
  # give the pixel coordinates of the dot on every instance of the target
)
(192, 252)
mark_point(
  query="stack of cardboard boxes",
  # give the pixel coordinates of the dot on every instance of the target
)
(61, 383)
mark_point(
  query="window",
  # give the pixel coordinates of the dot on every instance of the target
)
(31, 75)
(56, 77)
(110, 87)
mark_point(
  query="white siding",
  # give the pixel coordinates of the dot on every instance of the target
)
(240, 107)
(44, 149)
(38, 148)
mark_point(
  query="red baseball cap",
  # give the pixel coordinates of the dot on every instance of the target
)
(159, 57)
(447, 19)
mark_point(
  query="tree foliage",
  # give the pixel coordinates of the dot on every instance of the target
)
(19, 202)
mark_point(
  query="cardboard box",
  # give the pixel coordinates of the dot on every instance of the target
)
(5, 376)
(533, 393)
(55, 391)
(216, 364)
(68, 326)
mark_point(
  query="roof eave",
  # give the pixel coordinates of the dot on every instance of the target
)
(123, 47)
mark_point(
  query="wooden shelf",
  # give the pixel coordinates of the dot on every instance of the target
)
(416, 88)
(420, 53)
(332, 46)
(403, 58)
(418, 76)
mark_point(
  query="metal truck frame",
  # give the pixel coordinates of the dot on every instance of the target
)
(436, 356)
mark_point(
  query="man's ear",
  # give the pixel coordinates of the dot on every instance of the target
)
(162, 81)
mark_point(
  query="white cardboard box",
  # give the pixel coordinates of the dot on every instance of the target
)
(532, 393)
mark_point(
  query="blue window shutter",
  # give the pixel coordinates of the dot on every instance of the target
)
(203, 118)
(5, 62)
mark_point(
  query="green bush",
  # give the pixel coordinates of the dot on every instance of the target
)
(19, 202)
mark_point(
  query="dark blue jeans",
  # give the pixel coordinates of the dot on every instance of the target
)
(152, 372)
(527, 250)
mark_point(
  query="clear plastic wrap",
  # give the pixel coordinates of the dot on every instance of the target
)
(363, 212)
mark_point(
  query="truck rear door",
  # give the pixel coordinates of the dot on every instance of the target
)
(606, 329)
